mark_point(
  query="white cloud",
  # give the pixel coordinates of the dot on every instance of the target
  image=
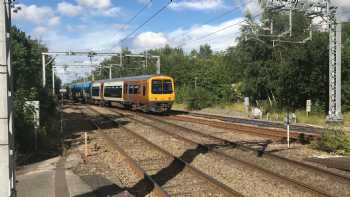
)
(33, 13)
(148, 40)
(68, 9)
(112, 12)
(54, 21)
(76, 28)
(120, 26)
(226, 33)
(197, 4)
(39, 31)
(190, 38)
(252, 7)
(144, 1)
(99, 4)
(344, 9)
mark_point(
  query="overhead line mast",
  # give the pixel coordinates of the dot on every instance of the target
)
(325, 9)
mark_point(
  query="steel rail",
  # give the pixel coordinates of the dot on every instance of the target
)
(237, 127)
(267, 154)
(270, 155)
(230, 158)
(262, 123)
(210, 180)
(131, 163)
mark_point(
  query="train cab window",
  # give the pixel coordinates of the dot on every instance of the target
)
(167, 87)
(95, 91)
(162, 87)
(156, 86)
(113, 91)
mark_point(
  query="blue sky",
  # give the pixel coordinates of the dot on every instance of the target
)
(100, 24)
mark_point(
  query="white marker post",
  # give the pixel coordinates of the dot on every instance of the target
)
(86, 148)
(308, 107)
(288, 137)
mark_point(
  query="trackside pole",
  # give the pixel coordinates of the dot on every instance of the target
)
(86, 146)
(6, 152)
(288, 130)
(288, 142)
(43, 70)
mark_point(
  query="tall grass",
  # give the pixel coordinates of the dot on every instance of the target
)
(334, 140)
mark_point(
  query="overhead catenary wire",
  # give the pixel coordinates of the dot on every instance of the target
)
(138, 13)
(147, 21)
(217, 31)
(215, 18)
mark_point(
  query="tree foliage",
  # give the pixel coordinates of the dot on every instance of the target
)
(27, 83)
(289, 72)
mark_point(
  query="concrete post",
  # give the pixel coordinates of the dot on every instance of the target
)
(43, 70)
(121, 57)
(53, 80)
(110, 72)
(158, 65)
(5, 176)
(10, 102)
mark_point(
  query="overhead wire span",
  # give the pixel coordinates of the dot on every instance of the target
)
(221, 15)
(217, 31)
(138, 13)
(148, 20)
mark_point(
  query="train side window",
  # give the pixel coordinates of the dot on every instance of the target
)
(144, 90)
(131, 89)
(95, 91)
(136, 89)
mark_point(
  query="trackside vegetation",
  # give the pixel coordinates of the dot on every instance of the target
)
(27, 80)
(277, 78)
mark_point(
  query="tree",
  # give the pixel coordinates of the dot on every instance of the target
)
(26, 62)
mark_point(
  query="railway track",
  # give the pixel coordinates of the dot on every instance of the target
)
(162, 173)
(290, 171)
(258, 123)
(269, 133)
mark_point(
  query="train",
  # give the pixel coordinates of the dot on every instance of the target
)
(149, 93)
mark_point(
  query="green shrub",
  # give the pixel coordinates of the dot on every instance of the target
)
(334, 140)
(199, 98)
(181, 94)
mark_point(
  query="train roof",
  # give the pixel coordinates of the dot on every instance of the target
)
(80, 86)
(140, 77)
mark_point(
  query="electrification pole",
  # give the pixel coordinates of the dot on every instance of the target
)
(334, 113)
(43, 56)
(327, 10)
(7, 182)
(110, 72)
(53, 81)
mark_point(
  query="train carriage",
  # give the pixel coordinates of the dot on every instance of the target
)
(96, 92)
(148, 92)
(113, 91)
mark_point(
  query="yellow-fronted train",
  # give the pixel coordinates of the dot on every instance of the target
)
(154, 93)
